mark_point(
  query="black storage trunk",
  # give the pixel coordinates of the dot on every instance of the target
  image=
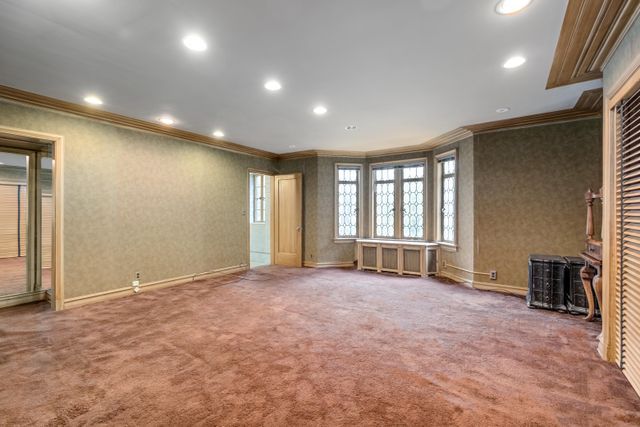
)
(547, 276)
(576, 300)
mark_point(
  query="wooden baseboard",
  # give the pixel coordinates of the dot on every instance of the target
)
(24, 298)
(344, 264)
(485, 286)
(146, 287)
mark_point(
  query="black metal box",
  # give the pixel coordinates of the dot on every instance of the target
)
(547, 278)
(576, 300)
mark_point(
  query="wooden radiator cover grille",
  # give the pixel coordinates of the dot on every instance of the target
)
(390, 259)
(411, 260)
(369, 257)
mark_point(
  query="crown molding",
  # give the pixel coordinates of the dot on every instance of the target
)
(533, 120)
(590, 32)
(444, 139)
(17, 95)
(589, 105)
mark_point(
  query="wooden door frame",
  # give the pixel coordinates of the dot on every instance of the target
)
(271, 175)
(627, 84)
(57, 259)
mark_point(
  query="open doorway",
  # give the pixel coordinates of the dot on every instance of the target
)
(259, 219)
(27, 220)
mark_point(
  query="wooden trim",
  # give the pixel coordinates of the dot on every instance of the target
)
(590, 32)
(58, 203)
(19, 96)
(484, 286)
(532, 120)
(146, 287)
(608, 339)
(444, 139)
(341, 264)
(590, 100)
(23, 298)
(24, 97)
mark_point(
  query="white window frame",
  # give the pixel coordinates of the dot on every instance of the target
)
(398, 218)
(439, 182)
(338, 166)
(254, 207)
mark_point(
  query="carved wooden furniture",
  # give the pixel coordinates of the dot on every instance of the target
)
(592, 256)
(575, 297)
(398, 256)
(547, 278)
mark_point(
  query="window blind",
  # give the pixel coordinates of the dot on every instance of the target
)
(628, 235)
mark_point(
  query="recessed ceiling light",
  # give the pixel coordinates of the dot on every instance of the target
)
(218, 134)
(93, 100)
(351, 127)
(320, 110)
(194, 42)
(166, 120)
(272, 85)
(514, 62)
(502, 110)
(509, 7)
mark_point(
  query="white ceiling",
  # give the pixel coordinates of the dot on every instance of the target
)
(402, 71)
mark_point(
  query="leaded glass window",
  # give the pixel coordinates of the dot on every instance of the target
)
(258, 198)
(448, 199)
(348, 199)
(384, 191)
(413, 202)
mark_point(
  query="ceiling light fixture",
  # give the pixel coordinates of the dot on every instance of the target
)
(218, 134)
(514, 62)
(166, 120)
(195, 42)
(351, 127)
(272, 85)
(502, 110)
(93, 100)
(292, 146)
(320, 110)
(509, 7)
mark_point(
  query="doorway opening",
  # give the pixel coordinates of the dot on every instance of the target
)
(259, 219)
(27, 212)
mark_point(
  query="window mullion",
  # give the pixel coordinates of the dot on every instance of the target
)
(398, 204)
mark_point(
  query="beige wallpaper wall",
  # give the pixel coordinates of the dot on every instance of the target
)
(140, 202)
(529, 187)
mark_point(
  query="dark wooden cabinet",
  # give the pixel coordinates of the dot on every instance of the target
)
(547, 278)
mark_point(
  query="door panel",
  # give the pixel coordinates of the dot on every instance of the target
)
(288, 220)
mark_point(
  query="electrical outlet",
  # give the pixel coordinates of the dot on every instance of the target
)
(493, 275)
(137, 275)
(136, 284)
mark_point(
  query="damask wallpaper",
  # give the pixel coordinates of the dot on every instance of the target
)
(529, 187)
(141, 202)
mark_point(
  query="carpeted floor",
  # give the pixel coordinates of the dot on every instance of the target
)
(307, 347)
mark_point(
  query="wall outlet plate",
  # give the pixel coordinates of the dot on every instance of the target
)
(493, 275)
(135, 283)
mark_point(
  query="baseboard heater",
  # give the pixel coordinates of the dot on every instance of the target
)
(398, 256)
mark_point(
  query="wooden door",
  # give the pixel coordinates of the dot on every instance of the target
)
(287, 221)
